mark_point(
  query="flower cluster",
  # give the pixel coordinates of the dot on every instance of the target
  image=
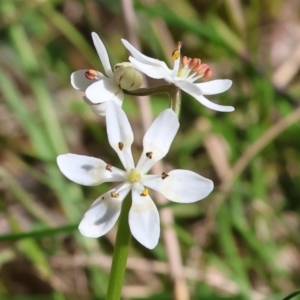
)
(105, 96)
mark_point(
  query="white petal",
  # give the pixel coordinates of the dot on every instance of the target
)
(144, 218)
(214, 86)
(143, 58)
(86, 170)
(158, 139)
(101, 50)
(188, 87)
(80, 82)
(101, 91)
(181, 186)
(102, 215)
(120, 134)
(153, 71)
(100, 109)
(212, 105)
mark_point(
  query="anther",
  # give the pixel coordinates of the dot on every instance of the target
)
(149, 154)
(102, 198)
(202, 69)
(207, 75)
(114, 195)
(193, 63)
(91, 74)
(164, 175)
(186, 60)
(121, 145)
(176, 51)
(145, 192)
(108, 167)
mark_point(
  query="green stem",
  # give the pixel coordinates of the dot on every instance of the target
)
(120, 255)
(165, 88)
(176, 101)
(172, 90)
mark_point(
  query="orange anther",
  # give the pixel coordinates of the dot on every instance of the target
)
(193, 63)
(91, 74)
(207, 74)
(202, 69)
(186, 60)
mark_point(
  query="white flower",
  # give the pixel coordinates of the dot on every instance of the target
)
(99, 89)
(178, 185)
(183, 78)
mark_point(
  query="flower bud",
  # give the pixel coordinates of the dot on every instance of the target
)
(127, 77)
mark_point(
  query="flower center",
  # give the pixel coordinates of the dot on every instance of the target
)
(134, 176)
(193, 69)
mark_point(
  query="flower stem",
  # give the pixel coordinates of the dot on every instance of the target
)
(176, 101)
(120, 255)
(164, 88)
(172, 90)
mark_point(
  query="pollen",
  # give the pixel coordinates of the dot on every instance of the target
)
(145, 192)
(121, 146)
(134, 176)
(108, 167)
(91, 74)
(114, 195)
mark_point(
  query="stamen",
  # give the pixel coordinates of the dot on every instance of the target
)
(91, 74)
(145, 192)
(164, 175)
(149, 154)
(114, 195)
(176, 51)
(121, 146)
(193, 63)
(202, 69)
(207, 75)
(186, 60)
(109, 167)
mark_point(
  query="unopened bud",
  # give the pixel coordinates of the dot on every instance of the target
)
(127, 77)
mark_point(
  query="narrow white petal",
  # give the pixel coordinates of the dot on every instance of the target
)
(101, 50)
(86, 170)
(102, 214)
(214, 86)
(158, 139)
(153, 71)
(181, 186)
(102, 91)
(80, 82)
(100, 109)
(120, 134)
(144, 218)
(212, 105)
(188, 87)
(143, 58)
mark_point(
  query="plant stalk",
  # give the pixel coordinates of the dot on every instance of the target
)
(120, 255)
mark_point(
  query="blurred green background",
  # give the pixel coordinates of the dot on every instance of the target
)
(242, 242)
